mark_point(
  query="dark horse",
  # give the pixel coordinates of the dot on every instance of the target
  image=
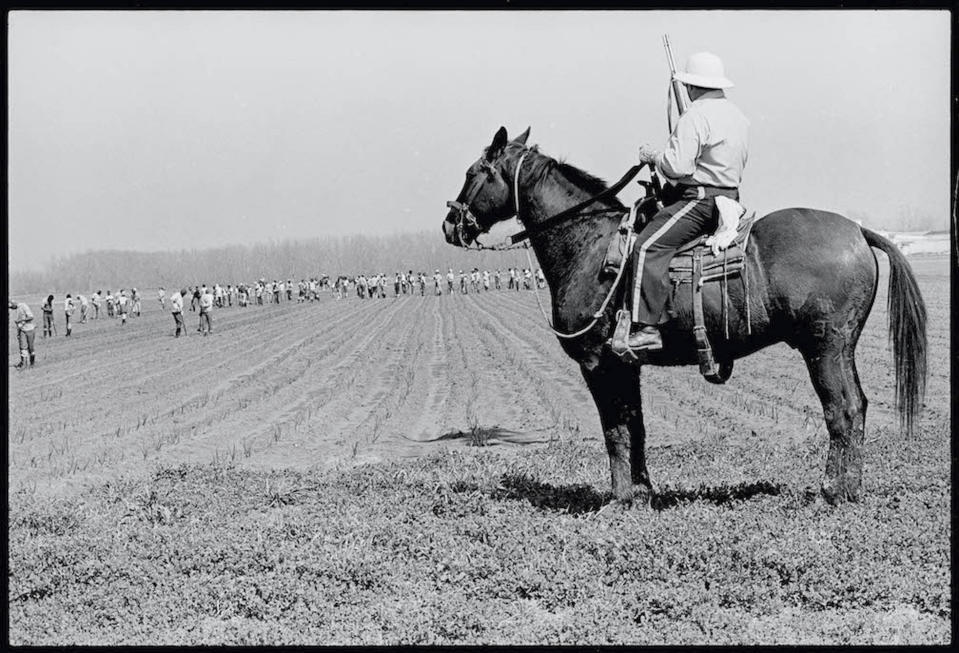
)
(812, 282)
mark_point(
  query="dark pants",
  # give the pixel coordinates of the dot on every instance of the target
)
(206, 324)
(690, 215)
(178, 319)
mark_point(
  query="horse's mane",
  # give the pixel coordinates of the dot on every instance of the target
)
(544, 164)
(540, 166)
(590, 183)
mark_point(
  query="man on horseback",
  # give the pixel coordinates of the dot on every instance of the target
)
(704, 158)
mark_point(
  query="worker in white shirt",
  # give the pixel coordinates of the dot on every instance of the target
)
(206, 308)
(176, 307)
(122, 304)
(134, 302)
(84, 307)
(25, 332)
(68, 308)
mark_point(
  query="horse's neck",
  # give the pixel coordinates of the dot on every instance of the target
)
(570, 253)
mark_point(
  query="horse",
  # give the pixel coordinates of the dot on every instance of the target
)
(813, 277)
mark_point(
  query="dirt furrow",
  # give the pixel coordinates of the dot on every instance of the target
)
(286, 394)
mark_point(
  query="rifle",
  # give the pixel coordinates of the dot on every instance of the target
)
(677, 88)
(654, 186)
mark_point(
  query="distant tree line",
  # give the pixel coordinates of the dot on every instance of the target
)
(905, 218)
(288, 259)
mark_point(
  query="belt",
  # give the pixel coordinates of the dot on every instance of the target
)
(706, 186)
(702, 189)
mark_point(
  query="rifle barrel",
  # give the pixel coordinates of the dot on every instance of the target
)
(678, 90)
(669, 54)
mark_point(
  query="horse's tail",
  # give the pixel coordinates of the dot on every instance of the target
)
(907, 331)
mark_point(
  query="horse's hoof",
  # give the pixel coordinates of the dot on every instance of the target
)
(838, 492)
(637, 495)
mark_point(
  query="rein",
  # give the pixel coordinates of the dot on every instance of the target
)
(521, 238)
(598, 314)
(517, 240)
(574, 210)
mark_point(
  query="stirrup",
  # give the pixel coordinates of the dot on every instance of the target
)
(619, 342)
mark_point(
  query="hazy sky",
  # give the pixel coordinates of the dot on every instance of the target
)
(171, 130)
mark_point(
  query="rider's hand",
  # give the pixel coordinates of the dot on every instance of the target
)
(647, 154)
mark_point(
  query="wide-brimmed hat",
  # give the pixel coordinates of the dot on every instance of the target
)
(704, 69)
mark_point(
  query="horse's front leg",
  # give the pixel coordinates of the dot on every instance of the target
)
(615, 389)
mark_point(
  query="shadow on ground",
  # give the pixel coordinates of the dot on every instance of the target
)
(492, 435)
(580, 499)
(718, 495)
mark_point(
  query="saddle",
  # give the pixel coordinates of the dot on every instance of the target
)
(713, 266)
(715, 257)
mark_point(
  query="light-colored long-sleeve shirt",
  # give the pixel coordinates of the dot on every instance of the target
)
(24, 319)
(709, 145)
(176, 302)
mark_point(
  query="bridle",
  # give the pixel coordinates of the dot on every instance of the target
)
(465, 217)
(464, 214)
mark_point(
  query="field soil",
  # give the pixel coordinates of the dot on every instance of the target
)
(432, 470)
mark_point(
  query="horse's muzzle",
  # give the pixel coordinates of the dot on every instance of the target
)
(460, 227)
(449, 230)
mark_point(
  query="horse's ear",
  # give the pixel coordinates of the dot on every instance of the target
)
(496, 147)
(521, 139)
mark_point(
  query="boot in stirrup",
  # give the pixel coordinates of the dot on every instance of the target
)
(648, 337)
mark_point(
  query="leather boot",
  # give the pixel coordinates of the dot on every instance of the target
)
(648, 337)
(33, 358)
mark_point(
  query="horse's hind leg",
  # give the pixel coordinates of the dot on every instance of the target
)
(615, 389)
(833, 373)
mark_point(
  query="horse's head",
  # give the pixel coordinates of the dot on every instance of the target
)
(487, 194)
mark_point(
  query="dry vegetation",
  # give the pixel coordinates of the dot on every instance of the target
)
(306, 475)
